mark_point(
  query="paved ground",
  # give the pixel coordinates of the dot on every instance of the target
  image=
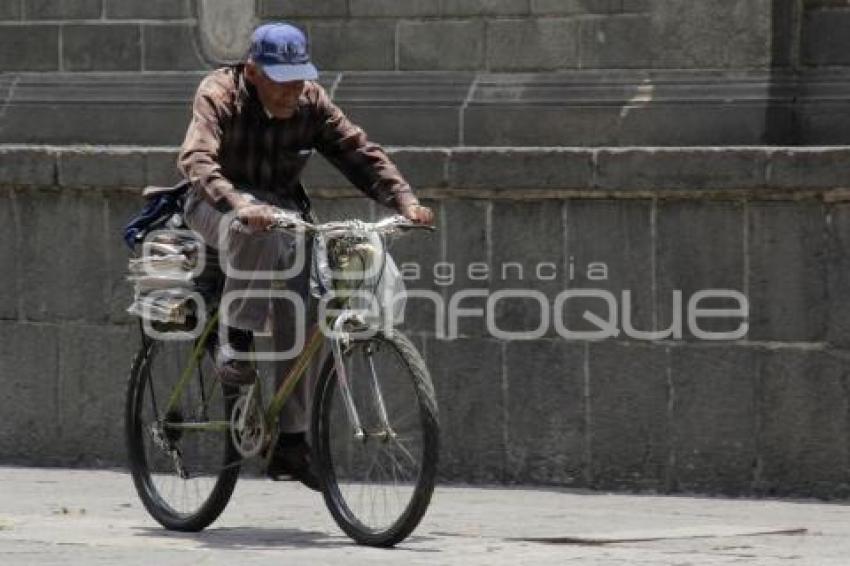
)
(83, 517)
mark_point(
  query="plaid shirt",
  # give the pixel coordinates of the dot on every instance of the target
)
(231, 142)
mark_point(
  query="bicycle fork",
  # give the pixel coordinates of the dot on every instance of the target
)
(337, 341)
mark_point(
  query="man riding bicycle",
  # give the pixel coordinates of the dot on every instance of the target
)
(254, 126)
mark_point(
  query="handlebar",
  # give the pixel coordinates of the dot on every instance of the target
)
(290, 222)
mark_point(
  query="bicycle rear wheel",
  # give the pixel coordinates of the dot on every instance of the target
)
(378, 484)
(182, 459)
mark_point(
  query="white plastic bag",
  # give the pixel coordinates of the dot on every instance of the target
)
(380, 300)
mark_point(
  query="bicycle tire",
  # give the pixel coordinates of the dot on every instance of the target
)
(409, 518)
(152, 499)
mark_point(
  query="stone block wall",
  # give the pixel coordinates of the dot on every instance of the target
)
(447, 72)
(502, 36)
(824, 35)
(506, 116)
(768, 413)
(532, 35)
(98, 35)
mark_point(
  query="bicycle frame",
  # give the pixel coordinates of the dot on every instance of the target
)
(284, 391)
(288, 384)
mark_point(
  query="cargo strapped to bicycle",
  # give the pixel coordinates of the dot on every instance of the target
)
(167, 262)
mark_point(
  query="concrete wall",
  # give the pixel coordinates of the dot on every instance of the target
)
(508, 73)
(440, 80)
(824, 36)
(507, 35)
(532, 35)
(437, 108)
(98, 35)
(764, 414)
(501, 36)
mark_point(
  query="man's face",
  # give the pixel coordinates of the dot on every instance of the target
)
(280, 99)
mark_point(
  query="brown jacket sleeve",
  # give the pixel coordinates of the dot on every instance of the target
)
(199, 155)
(363, 163)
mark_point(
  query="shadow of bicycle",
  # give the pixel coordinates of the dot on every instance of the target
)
(264, 538)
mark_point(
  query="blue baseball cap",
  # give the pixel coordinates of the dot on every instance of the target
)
(281, 50)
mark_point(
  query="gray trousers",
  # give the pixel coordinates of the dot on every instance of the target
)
(256, 299)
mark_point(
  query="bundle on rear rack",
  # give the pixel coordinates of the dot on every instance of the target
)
(163, 285)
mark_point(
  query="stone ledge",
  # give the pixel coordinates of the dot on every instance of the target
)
(426, 108)
(499, 172)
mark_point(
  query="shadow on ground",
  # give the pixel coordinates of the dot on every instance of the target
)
(243, 538)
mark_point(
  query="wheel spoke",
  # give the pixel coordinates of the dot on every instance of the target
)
(192, 436)
(379, 486)
(399, 466)
(406, 453)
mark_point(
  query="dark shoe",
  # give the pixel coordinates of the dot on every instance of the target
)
(235, 372)
(291, 460)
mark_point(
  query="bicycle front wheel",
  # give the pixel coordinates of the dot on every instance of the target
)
(183, 462)
(377, 481)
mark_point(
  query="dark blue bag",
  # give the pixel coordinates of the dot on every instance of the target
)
(161, 205)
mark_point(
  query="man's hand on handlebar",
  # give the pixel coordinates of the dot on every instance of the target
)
(257, 217)
(418, 214)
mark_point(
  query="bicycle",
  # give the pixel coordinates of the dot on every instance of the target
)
(374, 425)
